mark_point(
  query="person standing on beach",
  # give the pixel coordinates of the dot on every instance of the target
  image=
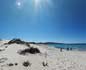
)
(60, 49)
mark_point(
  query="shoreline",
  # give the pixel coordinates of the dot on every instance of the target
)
(67, 49)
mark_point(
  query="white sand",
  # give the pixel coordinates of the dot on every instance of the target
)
(56, 60)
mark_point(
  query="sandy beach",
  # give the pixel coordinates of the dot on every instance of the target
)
(49, 58)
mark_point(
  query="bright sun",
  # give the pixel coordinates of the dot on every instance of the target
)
(39, 3)
(18, 3)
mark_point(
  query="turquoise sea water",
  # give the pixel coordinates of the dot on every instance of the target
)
(81, 47)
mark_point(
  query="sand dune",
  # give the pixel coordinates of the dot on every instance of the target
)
(49, 58)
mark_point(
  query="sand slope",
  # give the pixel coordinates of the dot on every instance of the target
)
(49, 59)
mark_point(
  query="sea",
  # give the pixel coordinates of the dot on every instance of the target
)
(80, 47)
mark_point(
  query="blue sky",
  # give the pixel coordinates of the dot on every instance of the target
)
(58, 21)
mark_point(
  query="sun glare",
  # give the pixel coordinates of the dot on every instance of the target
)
(37, 2)
(40, 3)
(18, 3)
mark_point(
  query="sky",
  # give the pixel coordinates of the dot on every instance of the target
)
(43, 20)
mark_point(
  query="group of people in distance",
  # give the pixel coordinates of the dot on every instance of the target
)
(66, 49)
